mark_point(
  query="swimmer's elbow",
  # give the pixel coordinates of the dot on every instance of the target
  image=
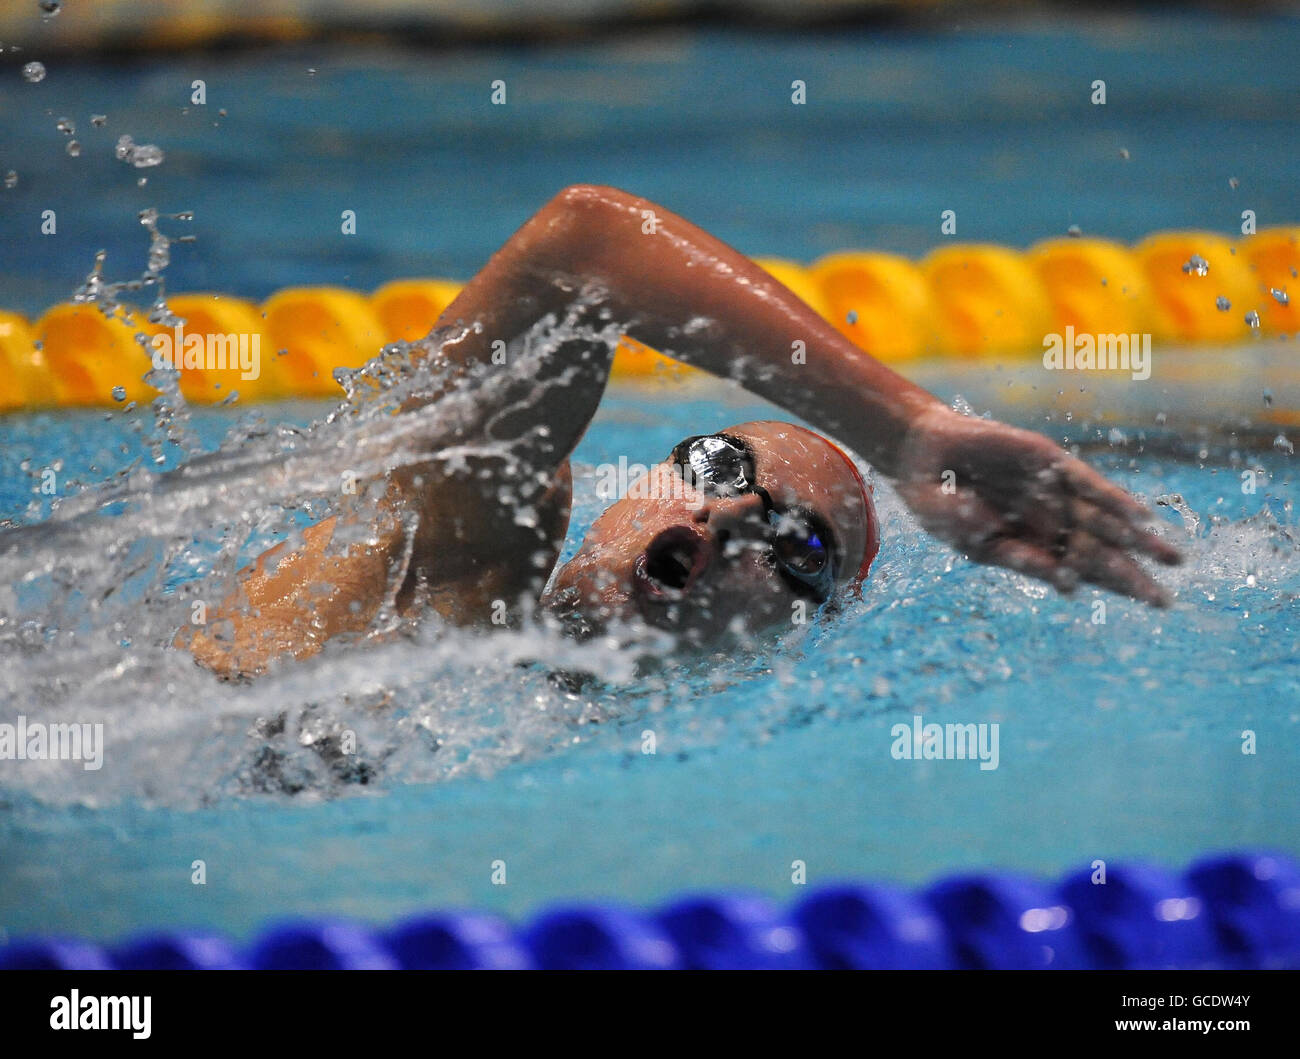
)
(586, 199)
(585, 194)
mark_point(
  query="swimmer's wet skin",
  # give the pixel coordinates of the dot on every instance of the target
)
(742, 523)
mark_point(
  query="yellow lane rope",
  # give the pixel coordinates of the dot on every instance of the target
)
(961, 300)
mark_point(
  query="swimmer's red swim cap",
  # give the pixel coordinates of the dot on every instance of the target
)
(872, 545)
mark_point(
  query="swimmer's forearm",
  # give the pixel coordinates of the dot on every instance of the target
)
(660, 273)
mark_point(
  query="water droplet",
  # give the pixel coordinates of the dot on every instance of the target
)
(1279, 296)
(1234, 183)
(140, 155)
(1268, 398)
(65, 126)
(99, 120)
(1222, 304)
(50, 8)
(34, 72)
(1252, 318)
(11, 179)
(1123, 153)
(1074, 231)
(1196, 265)
(1191, 520)
(73, 148)
(119, 393)
(852, 318)
(1283, 445)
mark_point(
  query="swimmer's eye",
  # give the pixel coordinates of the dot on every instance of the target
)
(803, 550)
(718, 464)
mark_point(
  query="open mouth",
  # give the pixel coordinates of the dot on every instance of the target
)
(671, 563)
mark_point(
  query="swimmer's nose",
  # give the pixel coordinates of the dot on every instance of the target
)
(741, 517)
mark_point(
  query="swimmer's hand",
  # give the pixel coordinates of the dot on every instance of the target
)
(1012, 498)
(289, 603)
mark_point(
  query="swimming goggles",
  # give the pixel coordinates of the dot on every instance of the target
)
(802, 546)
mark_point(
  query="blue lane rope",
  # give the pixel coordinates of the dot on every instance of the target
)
(1239, 910)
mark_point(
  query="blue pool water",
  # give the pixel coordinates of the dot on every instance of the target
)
(1117, 740)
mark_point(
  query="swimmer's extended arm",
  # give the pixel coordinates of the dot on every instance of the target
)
(1012, 498)
(1002, 495)
(677, 289)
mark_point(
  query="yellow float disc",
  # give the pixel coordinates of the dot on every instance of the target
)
(90, 354)
(233, 336)
(1273, 256)
(1185, 302)
(320, 329)
(408, 308)
(1094, 285)
(27, 379)
(880, 302)
(987, 301)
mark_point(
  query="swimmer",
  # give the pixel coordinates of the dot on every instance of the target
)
(733, 527)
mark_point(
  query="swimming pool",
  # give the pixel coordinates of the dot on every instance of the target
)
(1118, 740)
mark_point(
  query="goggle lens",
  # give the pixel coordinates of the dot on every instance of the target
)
(715, 463)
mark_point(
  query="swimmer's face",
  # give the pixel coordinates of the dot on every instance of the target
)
(764, 516)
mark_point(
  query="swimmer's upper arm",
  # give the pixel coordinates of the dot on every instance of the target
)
(477, 552)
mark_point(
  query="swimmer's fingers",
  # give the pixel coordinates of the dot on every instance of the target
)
(1111, 568)
(1029, 559)
(1117, 516)
(1124, 534)
(1087, 559)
